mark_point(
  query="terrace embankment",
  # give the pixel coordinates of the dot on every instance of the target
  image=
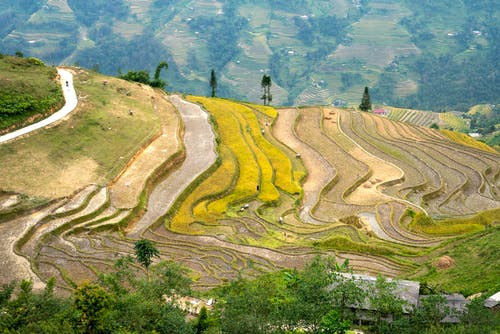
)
(239, 189)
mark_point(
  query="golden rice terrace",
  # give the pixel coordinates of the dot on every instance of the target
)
(229, 188)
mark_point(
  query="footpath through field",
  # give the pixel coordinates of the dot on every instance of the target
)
(71, 101)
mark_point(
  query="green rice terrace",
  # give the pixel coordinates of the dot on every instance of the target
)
(230, 188)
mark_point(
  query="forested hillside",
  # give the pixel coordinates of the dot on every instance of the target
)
(437, 55)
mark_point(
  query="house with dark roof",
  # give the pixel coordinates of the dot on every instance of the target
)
(456, 305)
(409, 293)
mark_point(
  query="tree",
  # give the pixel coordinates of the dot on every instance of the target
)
(266, 83)
(136, 76)
(346, 291)
(92, 302)
(139, 304)
(157, 82)
(144, 252)
(143, 76)
(384, 302)
(332, 323)
(29, 312)
(366, 104)
(213, 83)
(202, 324)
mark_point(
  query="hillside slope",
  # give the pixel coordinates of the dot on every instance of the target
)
(234, 188)
(113, 120)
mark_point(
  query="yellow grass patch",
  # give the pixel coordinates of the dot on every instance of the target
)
(466, 140)
(230, 133)
(455, 226)
(484, 109)
(267, 110)
(281, 164)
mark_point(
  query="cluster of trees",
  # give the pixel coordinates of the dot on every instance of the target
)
(317, 299)
(221, 33)
(321, 35)
(463, 72)
(485, 122)
(143, 76)
(15, 13)
(320, 299)
(315, 29)
(112, 52)
(121, 301)
(90, 11)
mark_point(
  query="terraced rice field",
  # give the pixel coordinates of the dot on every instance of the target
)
(230, 188)
(417, 117)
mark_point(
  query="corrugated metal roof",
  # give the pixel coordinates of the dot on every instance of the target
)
(493, 300)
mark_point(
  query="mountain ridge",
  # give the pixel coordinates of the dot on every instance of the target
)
(315, 51)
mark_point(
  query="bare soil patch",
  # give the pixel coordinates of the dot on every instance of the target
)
(45, 178)
(319, 171)
(126, 188)
(382, 171)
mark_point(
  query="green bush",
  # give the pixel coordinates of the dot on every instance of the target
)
(35, 61)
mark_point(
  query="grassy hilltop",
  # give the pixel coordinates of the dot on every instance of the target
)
(113, 120)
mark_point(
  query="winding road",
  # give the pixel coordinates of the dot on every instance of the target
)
(71, 101)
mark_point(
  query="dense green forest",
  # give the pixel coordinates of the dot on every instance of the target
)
(458, 76)
(315, 51)
(316, 299)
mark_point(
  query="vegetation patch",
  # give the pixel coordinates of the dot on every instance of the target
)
(92, 146)
(466, 140)
(475, 266)
(29, 90)
(261, 167)
(454, 226)
(453, 121)
(342, 243)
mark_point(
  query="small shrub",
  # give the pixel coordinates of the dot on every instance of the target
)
(35, 61)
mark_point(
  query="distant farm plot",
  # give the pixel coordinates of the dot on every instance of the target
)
(417, 117)
(380, 29)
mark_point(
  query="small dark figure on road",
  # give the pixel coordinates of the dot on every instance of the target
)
(67, 84)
